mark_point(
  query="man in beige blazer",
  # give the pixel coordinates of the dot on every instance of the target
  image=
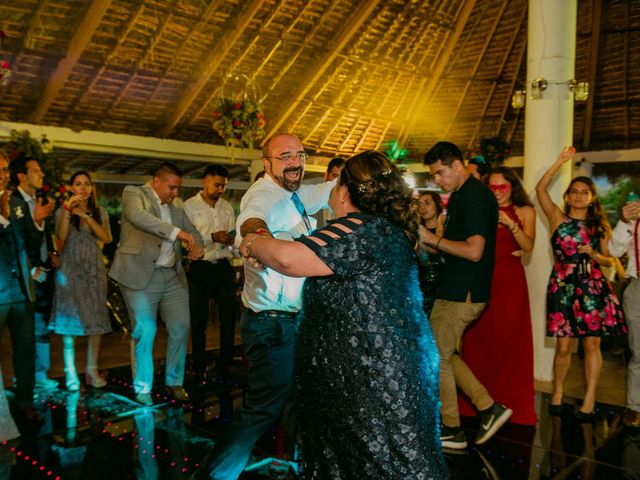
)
(148, 267)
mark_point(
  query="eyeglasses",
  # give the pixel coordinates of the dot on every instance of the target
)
(287, 157)
(499, 187)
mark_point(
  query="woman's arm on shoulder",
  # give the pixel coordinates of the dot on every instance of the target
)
(289, 258)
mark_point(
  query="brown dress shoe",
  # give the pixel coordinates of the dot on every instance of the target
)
(178, 393)
(631, 418)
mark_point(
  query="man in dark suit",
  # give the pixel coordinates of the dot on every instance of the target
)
(28, 178)
(148, 267)
(17, 294)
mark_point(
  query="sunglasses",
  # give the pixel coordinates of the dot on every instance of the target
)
(500, 187)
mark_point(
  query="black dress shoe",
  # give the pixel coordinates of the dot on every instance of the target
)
(585, 417)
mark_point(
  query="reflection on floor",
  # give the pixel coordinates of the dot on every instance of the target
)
(104, 434)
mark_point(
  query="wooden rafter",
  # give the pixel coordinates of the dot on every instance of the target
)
(317, 70)
(476, 66)
(596, 20)
(109, 162)
(507, 55)
(210, 10)
(77, 159)
(210, 64)
(79, 42)
(105, 64)
(131, 74)
(425, 94)
(241, 59)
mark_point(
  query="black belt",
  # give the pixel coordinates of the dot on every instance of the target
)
(275, 313)
(213, 262)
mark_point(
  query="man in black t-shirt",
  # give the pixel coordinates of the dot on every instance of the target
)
(468, 246)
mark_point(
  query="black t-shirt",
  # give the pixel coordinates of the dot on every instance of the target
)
(472, 210)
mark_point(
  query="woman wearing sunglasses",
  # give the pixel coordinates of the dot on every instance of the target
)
(506, 368)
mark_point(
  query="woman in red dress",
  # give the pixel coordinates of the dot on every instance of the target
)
(498, 347)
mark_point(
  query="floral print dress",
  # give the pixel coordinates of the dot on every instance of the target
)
(580, 300)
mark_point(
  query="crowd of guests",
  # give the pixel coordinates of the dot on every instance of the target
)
(375, 329)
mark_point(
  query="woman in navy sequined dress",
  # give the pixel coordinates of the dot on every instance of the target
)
(367, 365)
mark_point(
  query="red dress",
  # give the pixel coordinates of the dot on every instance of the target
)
(498, 347)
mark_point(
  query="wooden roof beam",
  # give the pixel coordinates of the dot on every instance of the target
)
(596, 21)
(425, 95)
(79, 42)
(210, 65)
(316, 71)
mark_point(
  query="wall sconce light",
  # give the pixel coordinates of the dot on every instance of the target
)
(538, 86)
(518, 98)
(45, 144)
(580, 90)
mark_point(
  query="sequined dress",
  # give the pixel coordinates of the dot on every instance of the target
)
(79, 304)
(367, 365)
(580, 300)
(429, 266)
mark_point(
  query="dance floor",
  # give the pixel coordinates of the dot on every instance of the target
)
(103, 434)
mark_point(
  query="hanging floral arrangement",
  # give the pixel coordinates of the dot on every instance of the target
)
(5, 67)
(239, 122)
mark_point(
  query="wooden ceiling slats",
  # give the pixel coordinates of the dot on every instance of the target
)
(412, 70)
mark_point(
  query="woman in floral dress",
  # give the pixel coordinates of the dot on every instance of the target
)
(580, 300)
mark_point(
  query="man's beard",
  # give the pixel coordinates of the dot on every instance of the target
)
(291, 185)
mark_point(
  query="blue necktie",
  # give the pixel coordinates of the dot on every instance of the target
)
(301, 210)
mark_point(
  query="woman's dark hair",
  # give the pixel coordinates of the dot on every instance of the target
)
(437, 199)
(518, 196)
(376, 186)
(596, 220)
(92, 203)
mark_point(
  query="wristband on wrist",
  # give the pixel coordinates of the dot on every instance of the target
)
(438, 243)
(67, 207)
(250, 242)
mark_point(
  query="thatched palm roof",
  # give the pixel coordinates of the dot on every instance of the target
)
(345, 75)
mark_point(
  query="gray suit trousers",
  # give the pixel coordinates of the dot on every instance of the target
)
(167, 294)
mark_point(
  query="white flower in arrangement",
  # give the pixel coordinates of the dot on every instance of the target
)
(18, 211)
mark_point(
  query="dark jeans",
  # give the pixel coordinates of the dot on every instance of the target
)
(19, 317)
(218, 281)
(269, 341)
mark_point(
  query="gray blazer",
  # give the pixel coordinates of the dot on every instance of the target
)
(141, 237)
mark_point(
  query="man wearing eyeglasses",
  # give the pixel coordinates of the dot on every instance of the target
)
(277, 205)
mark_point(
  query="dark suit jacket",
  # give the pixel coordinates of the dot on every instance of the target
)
(24, 247)
(141, 237)
(34, 235)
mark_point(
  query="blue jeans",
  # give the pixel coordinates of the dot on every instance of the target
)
(269, 340)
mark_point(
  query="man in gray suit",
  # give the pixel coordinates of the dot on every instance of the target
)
(148, 267)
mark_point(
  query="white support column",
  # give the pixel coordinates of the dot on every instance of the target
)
(548, 128)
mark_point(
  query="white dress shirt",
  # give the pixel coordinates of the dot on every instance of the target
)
(167, 256)
(208, 220)
(622, 241)
(267, 289)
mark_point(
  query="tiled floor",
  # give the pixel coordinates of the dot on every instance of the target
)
(95, 434)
